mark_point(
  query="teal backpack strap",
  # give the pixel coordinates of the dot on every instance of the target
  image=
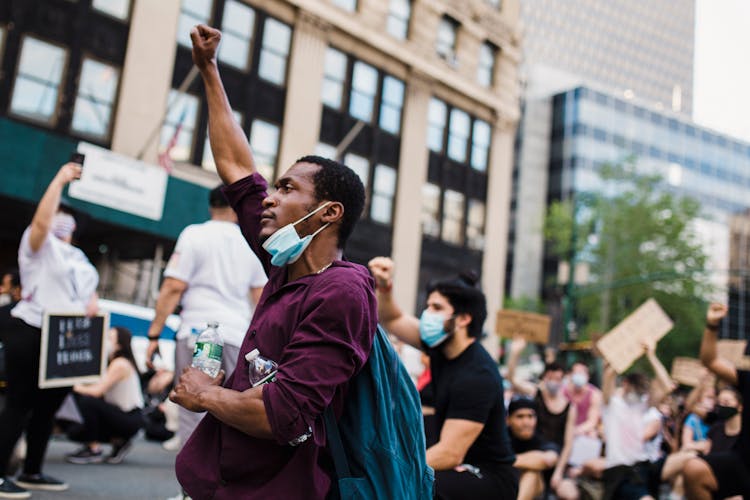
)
(340, 462)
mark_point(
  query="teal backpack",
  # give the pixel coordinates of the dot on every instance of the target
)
(378, 445)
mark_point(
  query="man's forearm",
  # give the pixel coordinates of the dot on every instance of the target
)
(165, 305)
(230, 148)
(536, 460)
(441, 457)
(245, 411)
(708, 351)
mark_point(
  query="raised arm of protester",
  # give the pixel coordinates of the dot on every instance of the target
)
(709, 355)
(230, 148)
(394, 320)
(41, 224)
(664, 384)
(517, 345)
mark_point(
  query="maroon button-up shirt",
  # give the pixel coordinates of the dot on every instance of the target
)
(319, 329)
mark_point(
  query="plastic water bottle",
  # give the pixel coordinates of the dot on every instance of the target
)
(208, 350)
(260, 369)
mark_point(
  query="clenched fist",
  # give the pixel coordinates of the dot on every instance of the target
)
(716, 312)
(382, 270)
(205, 45)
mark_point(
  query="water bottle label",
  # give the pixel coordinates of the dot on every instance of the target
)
(208, 350)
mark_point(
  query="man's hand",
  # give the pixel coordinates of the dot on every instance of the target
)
(649, 347)
(191, 384)
(151, 350)
(205, 45)
(716, 312)
(382, 271)
(517, 345)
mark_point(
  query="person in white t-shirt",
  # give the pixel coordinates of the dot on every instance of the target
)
(215, 276)
(630, 425)
(57, 277)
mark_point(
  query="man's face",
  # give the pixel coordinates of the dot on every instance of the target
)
(438, 303)
(728, 398)
(292, 199)
(522, 423)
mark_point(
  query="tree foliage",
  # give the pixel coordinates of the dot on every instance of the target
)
(636, 238)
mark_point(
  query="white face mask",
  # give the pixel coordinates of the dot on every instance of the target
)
(285, 245)
(62, 225)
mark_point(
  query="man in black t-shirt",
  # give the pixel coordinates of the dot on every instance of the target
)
(723, 474)
(534, 454)
(472, 457)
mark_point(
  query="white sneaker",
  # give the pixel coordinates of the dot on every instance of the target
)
(172, 444)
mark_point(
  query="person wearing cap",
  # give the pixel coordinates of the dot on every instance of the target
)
(215, 276)
(534, 454)
(472, 457)
(55, 276)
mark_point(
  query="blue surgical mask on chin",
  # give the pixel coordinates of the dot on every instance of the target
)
(432, 329)
(285, 245)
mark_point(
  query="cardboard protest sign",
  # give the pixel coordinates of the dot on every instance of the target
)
(72, 349)
(622, 345)
(531, 326)
(734, 351)
(687, 371)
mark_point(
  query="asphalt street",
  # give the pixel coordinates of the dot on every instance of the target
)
(146, 473)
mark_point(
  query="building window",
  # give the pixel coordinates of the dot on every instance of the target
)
(458, 134)
(350, 5)
(37, 85)
(445, 44)
(453, 217)
(273, 54)
(486, 67)
(334, 75)
(361, 167)
(208, 162)
(436, 118)
(397, 24)
(264, 141)
(237, 26)
(391, 104)
(364, 89)
(383, 192)
(475, 225)
(192, 12)
(480, 145)
(431, 210)
(179, 126)
(97, 89)
(119, 9)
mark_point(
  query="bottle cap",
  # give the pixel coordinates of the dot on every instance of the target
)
(252, 355)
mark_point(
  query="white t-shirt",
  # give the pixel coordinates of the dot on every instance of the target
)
(219, 268)
(126, 394)
(57, 278)
(624, 428)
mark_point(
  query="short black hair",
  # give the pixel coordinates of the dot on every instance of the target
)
(465, 297)
(553, 367)
(335, 181)
(638, 381)
(216, 198)
(15, 277)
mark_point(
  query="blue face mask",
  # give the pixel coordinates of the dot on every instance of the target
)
(432, 328)
(285, 245)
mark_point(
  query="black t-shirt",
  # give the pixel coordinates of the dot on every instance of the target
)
(720, 441)
(551, 425)
(536, 443)
(742, 446)
(470, 387)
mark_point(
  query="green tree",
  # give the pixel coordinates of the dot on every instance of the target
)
(636, 239)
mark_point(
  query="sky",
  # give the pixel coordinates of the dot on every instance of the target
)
(722, 66)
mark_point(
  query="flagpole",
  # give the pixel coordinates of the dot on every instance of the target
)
(186, 82)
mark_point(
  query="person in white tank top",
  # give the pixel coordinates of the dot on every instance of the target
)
(110, 408)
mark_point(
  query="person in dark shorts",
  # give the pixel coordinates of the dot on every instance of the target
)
(472, 457)
(722, 474)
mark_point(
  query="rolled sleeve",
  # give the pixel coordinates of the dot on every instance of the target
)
(246, 198)
(329, 346)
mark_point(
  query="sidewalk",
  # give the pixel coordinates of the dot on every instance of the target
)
(146, 473)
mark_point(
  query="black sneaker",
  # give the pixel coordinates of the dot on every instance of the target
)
(85, 456)
(41, 482)
(9, 489)
(119, 451)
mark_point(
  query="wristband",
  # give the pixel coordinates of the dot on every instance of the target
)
(385, 289)
(152, 338)
(713, 328)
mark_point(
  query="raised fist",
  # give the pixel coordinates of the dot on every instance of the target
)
(382, 271)
(716, 312)
(205, 45)
(69, 172)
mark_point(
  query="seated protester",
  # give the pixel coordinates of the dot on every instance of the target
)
(586, 398)
(722, 474)
(699, 403)
(534, 454)
(726, 420)
(553, 408)
(629, 426)
(472, 457)
(111, 408)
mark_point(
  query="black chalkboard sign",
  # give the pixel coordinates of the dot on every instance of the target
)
(72, 349)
